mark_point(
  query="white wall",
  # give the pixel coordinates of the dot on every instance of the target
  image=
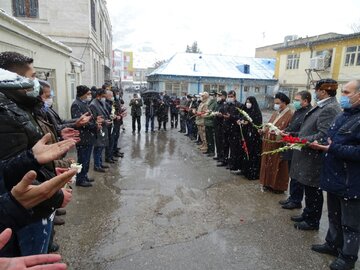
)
(46, 56)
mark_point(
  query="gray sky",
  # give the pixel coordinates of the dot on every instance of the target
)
(157, 29)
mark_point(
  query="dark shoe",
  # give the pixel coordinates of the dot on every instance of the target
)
(205, 152)
(215, 158)
(60, 211)
(340, 264)
(305, 227)
(282, 202)
(84, 184)
(90, 180)
(292, 205)
(58, 221)
(325, 249)
(146, 131)
(211, 154)
(105, 166)
(118, 155)
(278, 191)
(222, 164)
(109, 161)
(297, 218)
(96, 169)
(53, 247)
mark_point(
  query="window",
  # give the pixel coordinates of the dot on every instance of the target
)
(26, 8)
(93, 21)
(246, 88)
(293, 61)
(216, 87)
(175, 88)
(100, 30)
(352, 56)
(257, 89)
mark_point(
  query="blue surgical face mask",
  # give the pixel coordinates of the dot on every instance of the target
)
(36, 89)
(297, 104)
(315, 97)
(345, 102)
(276, 107)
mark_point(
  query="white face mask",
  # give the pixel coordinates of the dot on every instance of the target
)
(103, 100)
(117, 96)
(276, 107)
(48, 102)
(248, 105)
(112, 99)
(230, 100)
(36, 89)
(218, 99)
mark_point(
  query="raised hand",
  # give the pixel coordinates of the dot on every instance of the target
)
(83, 120)
(45, 153)
(35, 262)
(70, 133)
(29, 195)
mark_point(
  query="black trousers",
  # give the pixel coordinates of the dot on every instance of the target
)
(226, 145)
(313, 205)
(235, 151)
(209, 131)
(174, 118)
(183, 122)
(134, 120)
(219, 141)
(344, 226)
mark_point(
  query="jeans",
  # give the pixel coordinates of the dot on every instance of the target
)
(98, 156)
(83, 157)
(150, 119)
(344, 226)
(35, 238)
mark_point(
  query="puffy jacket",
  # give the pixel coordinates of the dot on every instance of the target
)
(19, 131)
(341, 168)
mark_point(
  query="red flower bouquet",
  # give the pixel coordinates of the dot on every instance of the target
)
(292, 143)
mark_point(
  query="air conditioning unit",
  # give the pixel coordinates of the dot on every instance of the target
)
(319, 63)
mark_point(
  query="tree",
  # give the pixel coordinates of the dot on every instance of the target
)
(193, 48)
(159, 63)
(355, 26)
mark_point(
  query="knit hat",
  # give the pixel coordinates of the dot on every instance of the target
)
(82, 90)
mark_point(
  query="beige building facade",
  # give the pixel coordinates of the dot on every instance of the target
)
(52, 59)
(83, 25)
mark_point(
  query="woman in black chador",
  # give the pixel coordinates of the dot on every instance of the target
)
(162, 114)
(251, 162)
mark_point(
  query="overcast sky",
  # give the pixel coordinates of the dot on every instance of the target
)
(157, 29)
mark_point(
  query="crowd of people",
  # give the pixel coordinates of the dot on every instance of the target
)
(234, 134)
(35, 172)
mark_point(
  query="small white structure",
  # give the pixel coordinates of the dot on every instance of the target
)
(52, 59)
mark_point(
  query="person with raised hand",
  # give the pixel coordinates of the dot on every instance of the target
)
(35, 262)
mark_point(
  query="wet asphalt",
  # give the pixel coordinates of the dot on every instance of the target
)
(167, 206)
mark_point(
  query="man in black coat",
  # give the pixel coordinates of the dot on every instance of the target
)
(136, 104)
(87, 133)
(53, 117)
(302, 104)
